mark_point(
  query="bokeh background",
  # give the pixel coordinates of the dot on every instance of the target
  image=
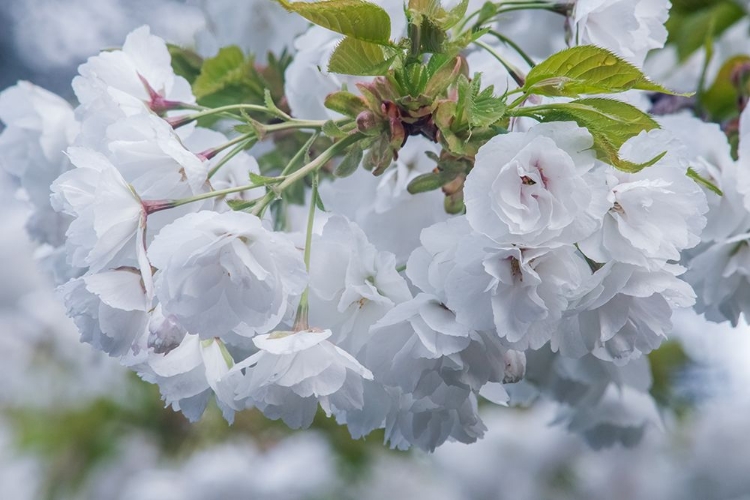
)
(75, 425)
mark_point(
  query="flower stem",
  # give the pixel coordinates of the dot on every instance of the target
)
(514, 46)
(157, 206)
(301, 321)
(313, 166)
(514, 72)
(240, 147)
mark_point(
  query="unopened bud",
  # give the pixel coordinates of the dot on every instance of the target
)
(367, 122)
(164, 333)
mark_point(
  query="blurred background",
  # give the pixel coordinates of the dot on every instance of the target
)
(76, 425)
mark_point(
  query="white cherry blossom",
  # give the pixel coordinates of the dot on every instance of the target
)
(653, 214)
(532, 188)
(629, 28)
(622, 312)
(137, 78)
(110, 219)
(39, 127)
(293, 372)
(222, 271)
(190, 373)
(110, 309)
(352, 284)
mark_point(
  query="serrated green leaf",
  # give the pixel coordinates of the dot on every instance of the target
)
(586, 69)
(353, 18)
(350, 163)
(610, 122)
(228, 67)
(356, 57)
(486, 109)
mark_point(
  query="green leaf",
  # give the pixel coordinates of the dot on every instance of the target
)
(356, 57)
(429, 181)
(486, 109)
(445, 72)
(228, 67)
(610, 122)
(455, 15)
(185, 62)
(350, 163)
(345, 103)
(703, 181)
(239, 205)
(690, 25)
(586, 69)
(353, 18)
(721, 99)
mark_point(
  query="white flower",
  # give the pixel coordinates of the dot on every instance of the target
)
(153, 159)
(519, 292)
(378, 204)
(110, 309)
(136, 78)
(629, 28)
(222, 271)
(708, 152)
(352, 285)
(604, 402)
(190, 373)
(109, 225)
(39, 127)
(654, 214)
(622, 312)
(294, 371)
(532, 188)
(446, 413)
(622, 415)
(423, 337)
(720, 274)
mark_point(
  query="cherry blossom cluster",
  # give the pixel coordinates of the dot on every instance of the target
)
(369, 302)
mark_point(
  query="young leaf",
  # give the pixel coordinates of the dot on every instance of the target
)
(353, 18)
(350, 163)
(610, 122)
(430, 181)
(238, 205)
(228, 67)
(586, 70)
(355, 57)
(345, 103)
